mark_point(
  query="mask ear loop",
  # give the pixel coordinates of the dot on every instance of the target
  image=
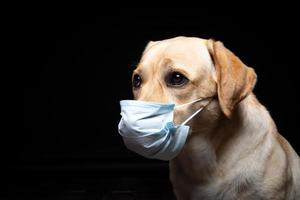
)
(185, 104)
(195, 113)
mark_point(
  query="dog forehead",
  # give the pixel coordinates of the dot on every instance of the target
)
(183, 49)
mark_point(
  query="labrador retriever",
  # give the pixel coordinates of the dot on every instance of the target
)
(233, 149)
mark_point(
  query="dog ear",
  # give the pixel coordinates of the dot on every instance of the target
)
(234, 79)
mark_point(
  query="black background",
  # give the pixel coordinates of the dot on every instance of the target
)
(73, 66)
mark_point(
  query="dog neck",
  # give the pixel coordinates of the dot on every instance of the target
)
(216, 142)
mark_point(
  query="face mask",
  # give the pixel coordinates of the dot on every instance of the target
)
(147, 128)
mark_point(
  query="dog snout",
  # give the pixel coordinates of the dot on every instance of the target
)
(152, 91)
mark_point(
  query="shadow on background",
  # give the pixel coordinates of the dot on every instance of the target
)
(75, 67)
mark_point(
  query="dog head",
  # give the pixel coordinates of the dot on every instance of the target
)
(182, 69)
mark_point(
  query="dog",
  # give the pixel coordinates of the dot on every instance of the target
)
(233, 149)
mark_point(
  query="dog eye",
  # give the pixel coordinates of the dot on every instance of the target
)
(176, 79)
(136, 81)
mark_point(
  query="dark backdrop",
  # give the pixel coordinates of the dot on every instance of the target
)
(75, 66)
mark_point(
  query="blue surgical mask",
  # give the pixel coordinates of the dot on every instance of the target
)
(147, 128)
